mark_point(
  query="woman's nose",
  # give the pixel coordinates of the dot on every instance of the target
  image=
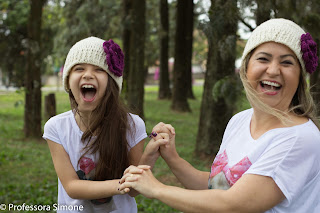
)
(273, 69)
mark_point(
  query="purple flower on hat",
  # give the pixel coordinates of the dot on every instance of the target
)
(309, 52)
(115, 57)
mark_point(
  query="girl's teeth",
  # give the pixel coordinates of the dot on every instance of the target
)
(87, 86)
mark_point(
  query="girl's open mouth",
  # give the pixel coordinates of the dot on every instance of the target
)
(88, 92)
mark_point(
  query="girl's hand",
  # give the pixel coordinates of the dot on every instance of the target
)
(133, 169)
(151, 152)
(164, 128)
(142, 180)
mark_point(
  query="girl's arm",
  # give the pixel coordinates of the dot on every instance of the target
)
(135, 155)
(76, 188)
(251, 193)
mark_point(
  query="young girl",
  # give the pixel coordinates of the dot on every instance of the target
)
(92, 144)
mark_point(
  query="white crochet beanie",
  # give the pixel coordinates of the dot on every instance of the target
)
(277, 30)
(89, 51)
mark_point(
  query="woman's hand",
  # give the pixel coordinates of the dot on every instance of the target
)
(168, 151)
(141, 179)
(152, 150)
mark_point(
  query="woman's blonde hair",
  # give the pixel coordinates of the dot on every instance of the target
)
(302, 103)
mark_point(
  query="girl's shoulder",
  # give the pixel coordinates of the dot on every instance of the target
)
(135, 120)
(59, 119)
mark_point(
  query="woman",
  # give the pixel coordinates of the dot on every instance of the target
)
(269, 157)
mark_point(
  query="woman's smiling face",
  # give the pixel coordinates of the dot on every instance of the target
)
(88, 84)
(274, 71)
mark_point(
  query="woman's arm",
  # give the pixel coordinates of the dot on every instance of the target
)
(76, 188)
(251, 193)
(190, 177)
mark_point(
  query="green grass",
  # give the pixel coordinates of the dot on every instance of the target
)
(27, 173)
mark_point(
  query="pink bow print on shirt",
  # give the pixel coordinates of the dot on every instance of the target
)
(232, 174)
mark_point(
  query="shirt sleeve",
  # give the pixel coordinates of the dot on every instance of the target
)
(50, 131)
(139, 133)
(290, 160)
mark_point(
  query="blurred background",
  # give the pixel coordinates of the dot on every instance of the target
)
(181, 67)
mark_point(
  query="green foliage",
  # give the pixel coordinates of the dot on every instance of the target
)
(229, 88)
(13, 31)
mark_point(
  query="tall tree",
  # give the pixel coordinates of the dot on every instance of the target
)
(32, 112)
(189, 41)
(181, 58)
(164, 84)
(263, 11)
(137, 69)
(216, 110)
(126, 33)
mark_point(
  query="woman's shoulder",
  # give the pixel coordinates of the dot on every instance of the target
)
(307, 130)
(242, 116)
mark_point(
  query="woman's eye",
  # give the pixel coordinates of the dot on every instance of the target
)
(287, 62)
(262, 59)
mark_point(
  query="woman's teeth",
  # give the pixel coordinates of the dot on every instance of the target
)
(270, 85)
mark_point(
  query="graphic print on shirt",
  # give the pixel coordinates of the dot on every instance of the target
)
(86, 172)
(222, 176)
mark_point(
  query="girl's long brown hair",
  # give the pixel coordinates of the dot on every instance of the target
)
(106, 134)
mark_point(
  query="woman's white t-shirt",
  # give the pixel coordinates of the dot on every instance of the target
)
(291, 156)
(63, 129)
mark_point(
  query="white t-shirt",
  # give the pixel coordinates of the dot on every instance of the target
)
(64, 130)
(291, 156)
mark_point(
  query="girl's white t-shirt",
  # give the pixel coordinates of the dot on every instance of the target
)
(291, 156)
(63, 129)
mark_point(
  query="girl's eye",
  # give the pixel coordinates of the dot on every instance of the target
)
(100, 70)
(78, 69)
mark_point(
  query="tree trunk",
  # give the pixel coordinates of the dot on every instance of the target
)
(263, 11)
(50, 106)
(32, 112)
(126, 7)
(179, 99)
(137, 70)
(189, 39)
(164, 84)
(215, 112)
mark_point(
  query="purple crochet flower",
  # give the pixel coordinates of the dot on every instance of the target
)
(309, 52)
(115, 57)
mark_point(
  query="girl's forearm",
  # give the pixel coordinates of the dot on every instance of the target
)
(87, 190)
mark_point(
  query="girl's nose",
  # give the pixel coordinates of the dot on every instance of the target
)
(88, 74)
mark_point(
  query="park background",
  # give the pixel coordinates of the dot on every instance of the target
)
(182, 61)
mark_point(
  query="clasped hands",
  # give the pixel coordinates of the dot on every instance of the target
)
(140, 177)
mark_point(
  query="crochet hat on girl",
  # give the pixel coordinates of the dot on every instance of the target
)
(104, 54)
(290, 34)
